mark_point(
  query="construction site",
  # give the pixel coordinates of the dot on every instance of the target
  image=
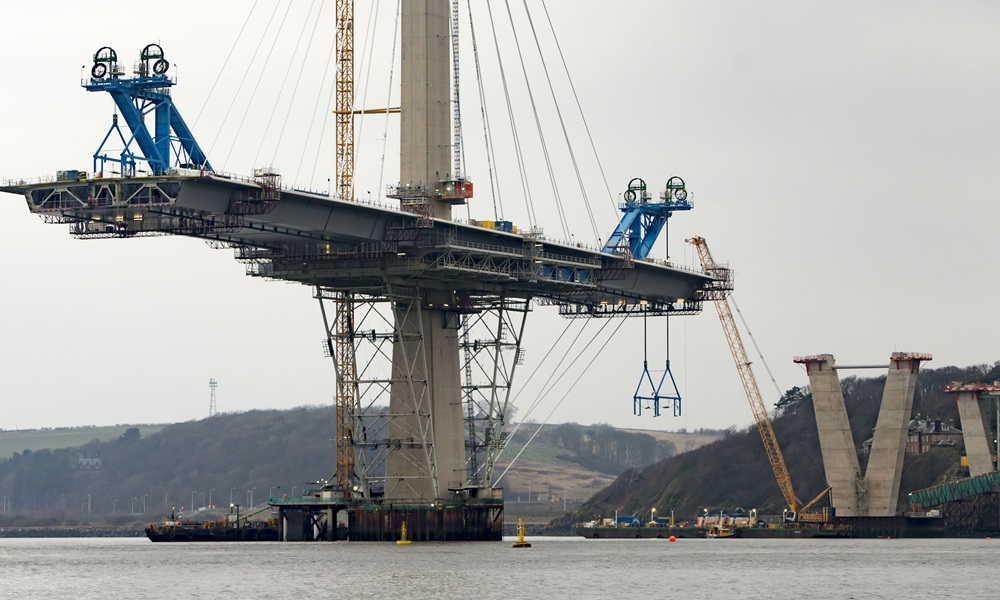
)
(424, 312)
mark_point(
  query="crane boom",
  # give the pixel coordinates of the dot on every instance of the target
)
(746, 374)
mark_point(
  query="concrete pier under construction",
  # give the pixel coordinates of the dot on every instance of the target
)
(975, 430)
(885, 464)
(840, 458)
(875, 492)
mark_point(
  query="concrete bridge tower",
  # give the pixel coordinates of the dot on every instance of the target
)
(426, 396)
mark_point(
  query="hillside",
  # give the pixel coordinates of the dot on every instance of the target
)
(574, 461)
(62, 437)
(115, 472)
(734, 471)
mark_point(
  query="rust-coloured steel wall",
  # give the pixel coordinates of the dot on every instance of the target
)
(382, 523)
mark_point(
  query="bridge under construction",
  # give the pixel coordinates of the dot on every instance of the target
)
(424, 315)
(867, 500)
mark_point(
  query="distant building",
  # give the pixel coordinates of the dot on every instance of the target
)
(925, 434)
(87, 464)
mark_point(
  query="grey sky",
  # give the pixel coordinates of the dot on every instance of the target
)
(842, 158)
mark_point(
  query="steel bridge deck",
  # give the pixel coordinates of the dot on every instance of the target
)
(340, 245)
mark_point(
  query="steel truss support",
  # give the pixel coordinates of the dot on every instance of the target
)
(491, 350)
(339, 334)
(378, 346)
(973, 515)
(360, 338)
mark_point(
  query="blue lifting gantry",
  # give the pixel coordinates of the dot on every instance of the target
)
(643, 219)
(640, 226)
(136, 97)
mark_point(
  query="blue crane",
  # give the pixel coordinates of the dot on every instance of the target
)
(147, 92)
(640, 226)
(643, 218)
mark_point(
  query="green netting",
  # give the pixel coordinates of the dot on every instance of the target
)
(926, 498)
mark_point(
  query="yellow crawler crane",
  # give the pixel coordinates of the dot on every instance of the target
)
(720, 294)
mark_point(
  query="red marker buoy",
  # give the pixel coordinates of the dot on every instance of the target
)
(673, 539)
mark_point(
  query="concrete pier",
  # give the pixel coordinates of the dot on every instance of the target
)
(975, 430)
(426, 394)
(425, 403)
(885, 464)
(840, 456)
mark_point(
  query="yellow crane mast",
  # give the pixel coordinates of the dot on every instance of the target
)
(343, 352)
(721, 298)
(345, 100)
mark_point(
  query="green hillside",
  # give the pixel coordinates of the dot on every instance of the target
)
(62, 437)
(113, 472)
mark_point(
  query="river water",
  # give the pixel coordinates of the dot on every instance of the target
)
(560, 568)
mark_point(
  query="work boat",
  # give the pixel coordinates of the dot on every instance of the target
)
(719, 531)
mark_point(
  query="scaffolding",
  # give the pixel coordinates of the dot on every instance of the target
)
(361, 344)
(491, 351)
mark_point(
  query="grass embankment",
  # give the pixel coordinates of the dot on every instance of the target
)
(62, 437)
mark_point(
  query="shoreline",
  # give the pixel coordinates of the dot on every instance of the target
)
(71, 532)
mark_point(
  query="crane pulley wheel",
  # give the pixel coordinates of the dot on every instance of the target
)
(150, 52)
(105, 54)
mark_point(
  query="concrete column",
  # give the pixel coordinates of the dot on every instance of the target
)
(885, 465)
(425, 120)
(840, 457)
(433, 408)
(426, 403)
(975, 432)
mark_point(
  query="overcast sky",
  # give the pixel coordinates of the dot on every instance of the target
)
(842, 158)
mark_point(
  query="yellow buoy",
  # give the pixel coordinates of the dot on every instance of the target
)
(402, 541)
(520, 543)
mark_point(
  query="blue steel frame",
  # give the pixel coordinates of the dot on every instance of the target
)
(644, 219)
(135, 98)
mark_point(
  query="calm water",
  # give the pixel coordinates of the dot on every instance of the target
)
(561, 568)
